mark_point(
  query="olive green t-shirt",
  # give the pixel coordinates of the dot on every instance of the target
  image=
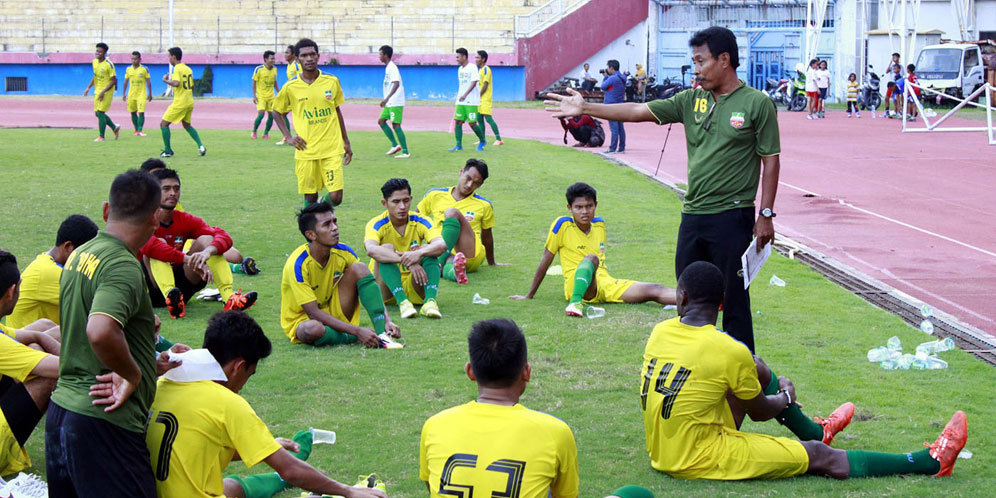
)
(725, 141)
(104, 277)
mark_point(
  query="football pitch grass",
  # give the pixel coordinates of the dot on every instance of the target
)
(586, 372)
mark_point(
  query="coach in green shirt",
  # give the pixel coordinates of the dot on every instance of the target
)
(731, 130)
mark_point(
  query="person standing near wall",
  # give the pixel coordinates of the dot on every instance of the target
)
(614, 87)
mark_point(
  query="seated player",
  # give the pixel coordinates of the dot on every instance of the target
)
(38, 307)
(460, 210)
(323, 285)
(197, 428)
(580, 241)
(405, 250)
(240, 264)
(177, 283)
(698, 382)
(494, 445)
(27, 375)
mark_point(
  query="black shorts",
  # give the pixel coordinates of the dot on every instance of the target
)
(823, 93)
(89, 457)
(20, 411)
(187, 287)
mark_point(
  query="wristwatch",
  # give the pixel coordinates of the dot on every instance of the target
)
(768, 213)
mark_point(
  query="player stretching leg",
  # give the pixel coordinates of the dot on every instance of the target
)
(182, 107)
(103, 82)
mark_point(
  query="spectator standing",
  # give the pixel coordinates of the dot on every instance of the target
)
(823, 84)
(614, 87)
(852, 96)
(812, 91)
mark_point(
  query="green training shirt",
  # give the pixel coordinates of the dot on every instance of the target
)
(103, 276)
(725, 141)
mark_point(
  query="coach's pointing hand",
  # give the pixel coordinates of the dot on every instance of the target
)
(565, 106)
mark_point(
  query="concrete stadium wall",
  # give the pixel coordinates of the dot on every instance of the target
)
(426, 82)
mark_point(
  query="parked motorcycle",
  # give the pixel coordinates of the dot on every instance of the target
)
(778, 90)
(797, 90)
(869, 96)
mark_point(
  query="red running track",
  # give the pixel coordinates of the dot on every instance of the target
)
(910, 210)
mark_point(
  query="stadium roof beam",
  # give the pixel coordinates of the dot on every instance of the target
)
(964, 11)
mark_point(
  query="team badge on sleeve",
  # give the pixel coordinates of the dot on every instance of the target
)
(737, 119)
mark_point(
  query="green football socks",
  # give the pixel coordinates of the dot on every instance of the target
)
(386, 128)
(333, 337)
(101, 122)
(478, 130)
(431, 266)
(451, 233)
(369, 294)
(261, 485)
(162, 344)
(269, 124)
(457, 132)
(390, 273)
(582, 280)
(237, 268)
(873, 463)
(304, 439)
(793, 418)
(141, 121)
(194, 135)
(449, 273)
(134, 121)
(494, 127)
(402, 140)
(107, 121)
(255, 124)
(166, 136)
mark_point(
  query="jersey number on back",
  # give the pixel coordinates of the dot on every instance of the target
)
(513, 468)
(166, 445)
(670, 392)
(188, 81)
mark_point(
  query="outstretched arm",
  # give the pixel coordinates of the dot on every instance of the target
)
(544, 265)
(301, 475)
(573, 104)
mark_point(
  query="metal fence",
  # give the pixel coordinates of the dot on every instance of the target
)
(544, 15)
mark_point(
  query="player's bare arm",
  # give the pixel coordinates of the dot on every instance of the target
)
(566, 106)
(295, 140)
(469, 89)
(488, 241)
(381, 253)
(108, 342)
(544, 265)
(148, 89)
(88, 87)
(254, 99)
(124, 91)
(765, 407)
(764, 228)
(347, 149)
(394, 88)
(44, 341)
(170, 82)
(109, 88)
(366, 336)
(301, 475)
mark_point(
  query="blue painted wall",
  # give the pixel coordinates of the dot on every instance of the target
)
(230, 80)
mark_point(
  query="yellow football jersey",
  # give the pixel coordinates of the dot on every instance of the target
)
(314, 109)
(419, 231)
(485, 73)
(265, 79)
(8, 330)
(686, 373)
(194, 430)
(136, 81)
(494, 450)
(478, 210)
(39, 293)
(566, 239)
(305, 281)
(17, 360)
(102, 74)
(293, 69)
(183, 95)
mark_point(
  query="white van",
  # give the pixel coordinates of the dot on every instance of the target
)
(954, 68)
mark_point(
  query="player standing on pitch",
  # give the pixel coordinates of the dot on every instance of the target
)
(103, 82)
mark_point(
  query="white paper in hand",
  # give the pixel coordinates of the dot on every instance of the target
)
(197, 364)
(752, 261)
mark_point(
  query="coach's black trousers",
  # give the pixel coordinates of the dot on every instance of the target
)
(721, 239)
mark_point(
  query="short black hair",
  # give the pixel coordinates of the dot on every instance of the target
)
(162, 174)
(393, 185)
(304, 42)
(136, 52)
(388, 51)
(176, 52)
(306, 218)
(483, 54)
(103, 46)
(813, 61)
(77, 229)
(614, 64)
(719, 40)
(462, 51)
(895, 54)
(479, 165)
(268, 54)
(580, 189)
(702, 282)
(134, 196)
(910, 68)
(292, 49)
(151, 164)
(9, 274)
(234, 334)
(497, 352)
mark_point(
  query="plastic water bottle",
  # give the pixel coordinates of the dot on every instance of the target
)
(938, 346)
(935, 363)
(594, 312)
(926, 312)
(882, 354)
(894, 344)
(965, 454)
(777, 282)
(927, 327)
(919, 361)
(905, 361)
(890, 364)
(480, 300)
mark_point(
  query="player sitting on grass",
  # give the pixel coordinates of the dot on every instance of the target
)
(405, 250)
(698, 383)
(27, 376)
(475, 215)
(322, 144)
(177, 283)
(196, 428)
(38, 307)
(182, 107)
(323, 285)
(580, 241)
(494, 445)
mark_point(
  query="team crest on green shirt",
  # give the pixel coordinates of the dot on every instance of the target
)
(737, 119)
